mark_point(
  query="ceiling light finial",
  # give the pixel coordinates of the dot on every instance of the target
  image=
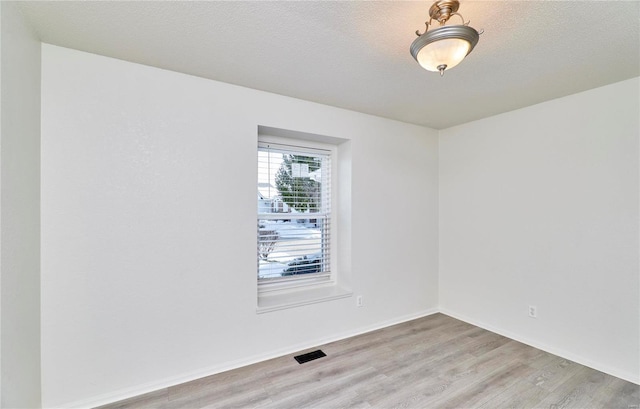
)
(446, 46)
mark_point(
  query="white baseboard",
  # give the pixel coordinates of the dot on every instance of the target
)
(627, 376)
(186, 377)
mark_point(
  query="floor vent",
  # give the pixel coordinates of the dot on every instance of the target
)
(310, 356)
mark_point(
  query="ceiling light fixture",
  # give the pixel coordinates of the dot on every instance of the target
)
(446, 46)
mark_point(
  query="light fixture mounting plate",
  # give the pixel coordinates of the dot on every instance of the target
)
(442, 10)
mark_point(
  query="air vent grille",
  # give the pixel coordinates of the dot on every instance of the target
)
(310, 356)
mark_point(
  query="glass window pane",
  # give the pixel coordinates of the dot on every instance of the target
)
(293, 209)
(290, 247)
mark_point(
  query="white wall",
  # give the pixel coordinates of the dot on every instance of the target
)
(148, 227)
(540, 207)
(19, 212)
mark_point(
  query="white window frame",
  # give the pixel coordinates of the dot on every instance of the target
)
(304, 281)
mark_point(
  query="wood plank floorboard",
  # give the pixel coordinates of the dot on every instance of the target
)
(432, 362)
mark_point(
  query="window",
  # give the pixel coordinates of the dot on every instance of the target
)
(294, 216)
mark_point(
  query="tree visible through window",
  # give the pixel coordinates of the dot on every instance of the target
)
(295, 186)
(294, 213)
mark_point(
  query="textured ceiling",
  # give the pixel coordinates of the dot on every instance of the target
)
(355, 54)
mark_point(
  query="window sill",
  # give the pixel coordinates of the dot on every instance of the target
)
(275, 302)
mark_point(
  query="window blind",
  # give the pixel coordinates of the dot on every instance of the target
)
(294, 214)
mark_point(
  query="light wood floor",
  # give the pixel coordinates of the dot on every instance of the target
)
(432, 362)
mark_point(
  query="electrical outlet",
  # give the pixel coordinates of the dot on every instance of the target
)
(533, 311)
(359, 301)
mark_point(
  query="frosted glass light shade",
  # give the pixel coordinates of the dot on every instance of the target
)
(449, 52)
(444, 46)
